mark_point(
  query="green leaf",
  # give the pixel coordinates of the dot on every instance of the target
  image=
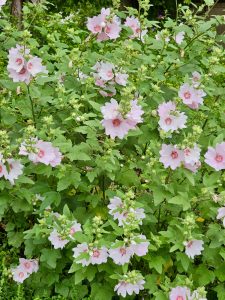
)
(50, 257)
(157, 263)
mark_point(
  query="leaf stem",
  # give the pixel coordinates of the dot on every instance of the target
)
(32, 104)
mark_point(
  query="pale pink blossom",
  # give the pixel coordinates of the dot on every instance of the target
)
(170, 118)
(2, 2)
(22, 76)
(15, 170)
(56, 240)
(75, 228)
(191, 96)
(19, 274)
(34, 66)
(180, 293)
(215, 157)
(134, 116)
(171, 156)
(21, 70)
(140, 248)
(221, 214)
(99, 256)
(123, 288)
(179, 37)
(115, 125)
(192, 155)
(30, 265)
(3, 170)
(44, 153)
(134, 24)
(104, 26)
(193, 248)
(120, 213)
(193, 167)
(121, 255)
(106, 71)
(121, 78)
(80, 249)
(196, 78)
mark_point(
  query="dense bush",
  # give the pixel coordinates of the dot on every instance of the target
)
(112, 155)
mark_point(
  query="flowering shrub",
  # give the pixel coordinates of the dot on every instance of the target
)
(112, 155)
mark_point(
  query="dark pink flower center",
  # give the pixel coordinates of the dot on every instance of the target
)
(138, 30)
(21, 274)
(97, 28)
(190, 244)
(187, 95)
(174, 154)
(116, 122)
(41, 153)
(187, 151)
(107, 29)
(23, 71)
(180, 298)
(219, 158)
(29, 66)
(109, 73)
(123, 251)
(168, 121)
(19, 61)
(96, 253)
(27, 265)
(1, 169)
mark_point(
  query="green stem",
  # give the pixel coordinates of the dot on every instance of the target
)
(32, 105)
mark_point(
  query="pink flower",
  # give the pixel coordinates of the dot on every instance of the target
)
(19, 274)
(123, 288)
(115, 125)
(34, 66)
(121, 78)
(192, 155)
(193, 167)
(57, 241)
(3, 170)
(80, 249)
(2, 2)
(134, 24)
(30, 265)
(44, 153)
(193, 247)
(19, 69)
(171, 156)
(179, 37)
(75, 228)
(180, 293)
(99, 256)
(215, 157)
(15, 170)
(104, 26)
(22, 76)
(191, 96)
(121, 255)
(120, 213)
(170, 118)
(221, 214)
(196, 78)
(140, 248)
(106, 71)
(135, 115)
